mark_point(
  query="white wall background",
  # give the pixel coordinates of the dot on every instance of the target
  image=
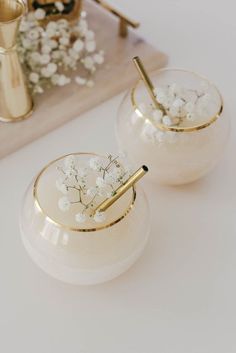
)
(180, 297)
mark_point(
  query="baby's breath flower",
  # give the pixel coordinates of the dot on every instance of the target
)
(80, 80)
(55, 79)
(167, 120)
(63, 80)
(56, 55)
(50, 32)
(102, 192)
(59, 6)
(68, 61)
(178, 103)
(52, 25)
(88, 62)
(24, 26)
(174, 89)
(96, 163)
(82, 172)
(99, 217)
(34, 77)
(73, 53)
(52, 43)
(190, 116)
(33, 34)
(63, 23)
(100, 182)
(64, 204)
(64, 41)
(46, 49)
(206, 98)
(38, 89)
(45, 59)
(78, 45)
(39, 14)
(69, 161)
(85, 187)
(174, 111)
(98, 59)
(70, 172)
(80, 217)
(60, 185)
(52, 68)
(92, 191)
(189, 107)
(58, 43)
(83, 27)
(26, 43)
(36, 57)
(109, 193)
(45, 72)
(160, 95)
(110, 178)
(90, 46)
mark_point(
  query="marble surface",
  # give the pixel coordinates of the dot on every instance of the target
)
(180, 296)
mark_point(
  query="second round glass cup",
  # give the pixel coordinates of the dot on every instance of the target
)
(175, 154)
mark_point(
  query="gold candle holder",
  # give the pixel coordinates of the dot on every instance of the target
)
(122, 189)
(15, 101)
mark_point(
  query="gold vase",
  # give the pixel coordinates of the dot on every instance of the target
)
(15, 101)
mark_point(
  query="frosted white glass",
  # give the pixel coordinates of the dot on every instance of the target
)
(184, 156)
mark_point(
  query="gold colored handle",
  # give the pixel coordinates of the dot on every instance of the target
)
(124, 20)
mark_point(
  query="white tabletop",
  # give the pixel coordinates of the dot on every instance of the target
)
(180, 296)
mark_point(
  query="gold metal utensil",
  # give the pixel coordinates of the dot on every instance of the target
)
(147, 81)
(122, 189)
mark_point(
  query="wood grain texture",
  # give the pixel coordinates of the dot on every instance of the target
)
(59, 105)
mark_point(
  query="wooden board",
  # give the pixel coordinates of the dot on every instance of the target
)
(60, 105)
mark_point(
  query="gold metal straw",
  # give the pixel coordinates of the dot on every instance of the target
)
(147, 81)
(122, 189)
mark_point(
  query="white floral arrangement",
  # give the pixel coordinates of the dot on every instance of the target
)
(87, 185)
(49, 51)
(179, 106)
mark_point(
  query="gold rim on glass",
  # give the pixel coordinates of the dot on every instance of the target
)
(177, 128)
(64, 226)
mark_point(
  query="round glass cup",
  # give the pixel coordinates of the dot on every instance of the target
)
(174, 154)
(87, 253)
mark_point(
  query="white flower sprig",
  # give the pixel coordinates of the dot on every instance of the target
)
(49, 51)
(180, 106)
(86, 186)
